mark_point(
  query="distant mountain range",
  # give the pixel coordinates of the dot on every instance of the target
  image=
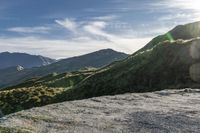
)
(11, 76)
(8, 59)
(169, 61)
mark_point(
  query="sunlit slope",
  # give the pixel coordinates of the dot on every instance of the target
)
(168, 61)
(167, 64)
(38, 92)
(185, 32)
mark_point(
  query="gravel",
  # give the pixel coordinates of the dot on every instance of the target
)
(168, 111)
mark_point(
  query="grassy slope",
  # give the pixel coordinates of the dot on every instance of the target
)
(159, 65)
(185, 32)
(38, 92)
(167, 65)
(164, 66)
(96, 59)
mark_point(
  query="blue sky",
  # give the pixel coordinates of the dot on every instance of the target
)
(65, 28)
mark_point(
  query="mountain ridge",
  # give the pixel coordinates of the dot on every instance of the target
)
(8, 59)
(95, 59)
(165, 65)
(185, 32)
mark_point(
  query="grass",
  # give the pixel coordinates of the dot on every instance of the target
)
(13, 130)
(36, 93)
(166, 65)
(163, 66)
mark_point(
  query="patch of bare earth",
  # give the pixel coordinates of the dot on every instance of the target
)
(164, 111)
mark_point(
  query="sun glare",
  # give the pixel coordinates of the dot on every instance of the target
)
(193, 4)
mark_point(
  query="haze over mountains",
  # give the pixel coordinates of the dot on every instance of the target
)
(22, 59)
(11, 76)
(99, 66)
(169, 61)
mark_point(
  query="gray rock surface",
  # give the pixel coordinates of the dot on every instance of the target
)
(176, 111)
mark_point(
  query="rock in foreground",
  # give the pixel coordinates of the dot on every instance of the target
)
(163, 111)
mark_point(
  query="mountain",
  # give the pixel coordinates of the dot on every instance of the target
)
(184, 32)
(96, 59)
(172, 111)
(168, 61)
(39, 91)
(162, 65)
(166, 65)
(25, 60)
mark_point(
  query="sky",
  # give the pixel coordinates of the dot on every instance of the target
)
(66, 28)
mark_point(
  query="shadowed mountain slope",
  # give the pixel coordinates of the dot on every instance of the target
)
(169, 63)
(165, 65)
(96, 59)
(25, 60)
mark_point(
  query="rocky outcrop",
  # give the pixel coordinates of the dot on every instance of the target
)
(162, 111)
(20, 68)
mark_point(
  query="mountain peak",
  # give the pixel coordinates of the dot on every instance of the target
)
(187, 31)
(184, 32)
(6, 52)
(8, 59)
(92, 60)
(107, 51)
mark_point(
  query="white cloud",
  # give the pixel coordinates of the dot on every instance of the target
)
(67, 48)
(179, 9)
(90, 36)
(174, 16)
(175, 12)
(95, 28)
(39, 29)
(69, 24)
(126, 43)
(181, 4)
(105, 18)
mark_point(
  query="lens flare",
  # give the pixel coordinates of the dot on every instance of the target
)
(170, 37)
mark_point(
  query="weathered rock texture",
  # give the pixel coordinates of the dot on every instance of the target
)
(163, 111)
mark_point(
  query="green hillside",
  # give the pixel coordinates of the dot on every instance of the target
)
(38, 92)
(98, 59)
(184, 32)
(165, 63)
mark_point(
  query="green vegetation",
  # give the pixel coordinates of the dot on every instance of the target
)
(12, 130)
(25, 98)
(38, 92)
(55, 80)
(10, 76)
(163, 64)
